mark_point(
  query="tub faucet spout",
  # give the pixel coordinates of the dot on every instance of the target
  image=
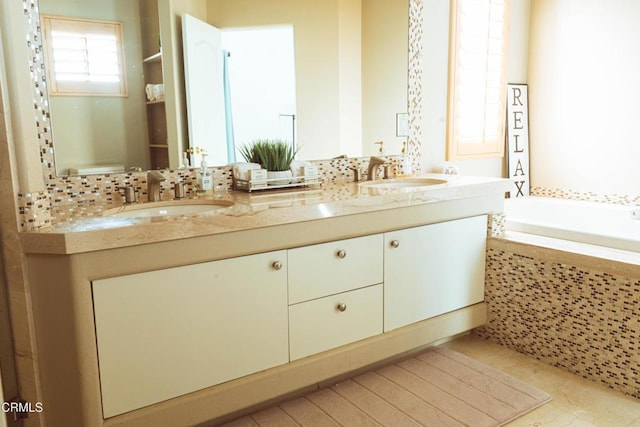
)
(154, 178)
(374, 164)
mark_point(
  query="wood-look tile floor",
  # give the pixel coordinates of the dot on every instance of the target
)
(575, 401)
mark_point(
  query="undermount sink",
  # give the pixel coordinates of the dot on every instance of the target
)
(168, 208)
(410, 182)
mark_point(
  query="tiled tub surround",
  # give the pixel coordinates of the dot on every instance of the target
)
(573, 311)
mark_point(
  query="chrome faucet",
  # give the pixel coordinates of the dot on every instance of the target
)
(154, 178)
(374, 164)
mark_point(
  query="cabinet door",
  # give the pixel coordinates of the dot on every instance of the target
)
(433, 269)
(165, 333)
(330, 268)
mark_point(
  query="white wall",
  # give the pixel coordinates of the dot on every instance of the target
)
(583, 98)
(435, 78)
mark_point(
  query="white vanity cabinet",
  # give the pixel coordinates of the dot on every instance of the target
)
(433, 269)
(188, 322)
(335, 294)
(165, 333)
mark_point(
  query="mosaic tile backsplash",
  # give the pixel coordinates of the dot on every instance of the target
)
(578, 318)
(73, 196)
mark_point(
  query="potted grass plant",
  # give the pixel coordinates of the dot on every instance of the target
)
(275, 155)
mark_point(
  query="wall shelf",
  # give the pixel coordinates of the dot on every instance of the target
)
(156, 57)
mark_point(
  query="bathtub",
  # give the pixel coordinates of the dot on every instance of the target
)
(600, 224)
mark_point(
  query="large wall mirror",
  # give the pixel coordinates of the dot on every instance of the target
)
(351, 60)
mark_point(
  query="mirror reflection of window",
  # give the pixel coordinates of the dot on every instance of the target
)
(84, 57)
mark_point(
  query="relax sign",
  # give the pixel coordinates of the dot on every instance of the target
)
(518, 139)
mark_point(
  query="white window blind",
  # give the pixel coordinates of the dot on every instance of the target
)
(84, 57)
(477, 78)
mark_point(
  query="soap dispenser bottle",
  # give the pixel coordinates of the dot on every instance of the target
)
(204, 176)
(185, 161)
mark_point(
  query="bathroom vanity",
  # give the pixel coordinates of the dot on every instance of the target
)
(185, 319)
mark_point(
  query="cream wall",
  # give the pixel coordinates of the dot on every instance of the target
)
(350, 77)
(583, 96)
(385, 44)
(351, 68)
(170, 19)
(112, 123)
(3, 418)
(435, 78)
(317, 41)
(15, 333)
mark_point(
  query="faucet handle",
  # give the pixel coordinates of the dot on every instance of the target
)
(129, 194)
(387, 170)
(381, 144)
(178, 189)
(155, 176)
(356, 174)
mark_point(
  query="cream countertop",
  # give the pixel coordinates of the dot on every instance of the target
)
(257, 210)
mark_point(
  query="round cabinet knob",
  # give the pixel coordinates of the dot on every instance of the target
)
(342, 307)
(395, 243)
(341, 253)
(277, 265)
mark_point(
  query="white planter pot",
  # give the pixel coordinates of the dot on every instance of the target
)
(284, 175)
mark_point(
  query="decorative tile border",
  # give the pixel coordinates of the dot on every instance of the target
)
(34, 211)
(414, 94)
(618, 199)
(560, 310)
(496, 225)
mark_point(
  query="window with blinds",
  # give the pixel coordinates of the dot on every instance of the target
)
(477, 78)
(84, 57)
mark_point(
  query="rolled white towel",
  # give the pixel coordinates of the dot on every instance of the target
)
(158, 92)
(155, 92)
(148, 89)
(241, 170)
(297, 167)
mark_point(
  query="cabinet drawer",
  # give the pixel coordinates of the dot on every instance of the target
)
(329, 322)
(330, 268)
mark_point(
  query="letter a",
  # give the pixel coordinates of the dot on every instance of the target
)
(519, 169)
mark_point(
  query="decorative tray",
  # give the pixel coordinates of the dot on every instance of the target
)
(274, 183)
